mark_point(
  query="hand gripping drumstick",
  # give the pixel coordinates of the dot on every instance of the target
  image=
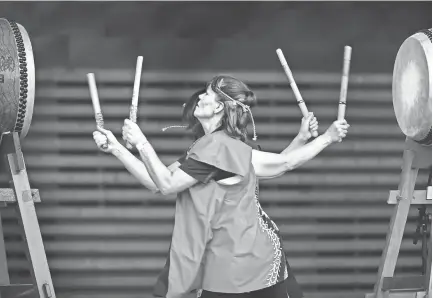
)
(295, 89)
(136, 90)
(95, 100)
(344, 82)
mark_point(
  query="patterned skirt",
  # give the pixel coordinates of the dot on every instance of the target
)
(288, 288)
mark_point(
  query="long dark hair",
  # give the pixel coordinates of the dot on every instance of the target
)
(188, 114)
(231, 91)
(235, 119)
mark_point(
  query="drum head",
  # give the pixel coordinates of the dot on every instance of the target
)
(9, 77)
(411, 87)
(17, 78)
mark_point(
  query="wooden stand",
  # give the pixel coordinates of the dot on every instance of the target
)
(415, 157)
(24, 197)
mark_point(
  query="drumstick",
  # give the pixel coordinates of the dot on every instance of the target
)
(136, 90)
(344, 82)
(295, 89)
(95, 101)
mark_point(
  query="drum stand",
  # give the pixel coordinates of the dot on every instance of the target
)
(25, 198)
(415, 157)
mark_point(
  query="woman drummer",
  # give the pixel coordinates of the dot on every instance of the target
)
(198, 168)
(222, 240)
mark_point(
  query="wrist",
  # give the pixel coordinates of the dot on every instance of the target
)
(327, 139)
(118, 150)
(142, 145)
(302, 137)
(141, 139)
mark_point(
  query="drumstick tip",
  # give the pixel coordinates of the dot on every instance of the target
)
(347, 52)
(281, 56)
(279, 52)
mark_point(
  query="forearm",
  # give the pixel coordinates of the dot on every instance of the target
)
(302, 154)
(136, 168)
(158, 172)
(297, 142)
(270, 165)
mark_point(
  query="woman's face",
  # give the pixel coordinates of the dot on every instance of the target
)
(208, 104)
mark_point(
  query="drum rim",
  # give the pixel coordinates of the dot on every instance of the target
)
(427, 141)
(30, 81)
(425, 42)
(22, 58)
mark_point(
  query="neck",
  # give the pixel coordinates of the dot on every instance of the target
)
(210, 125)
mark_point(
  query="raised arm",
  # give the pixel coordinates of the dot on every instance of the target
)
(138, 169)
(134, 166)
(308, 125)
(166, 180)
(270, 165)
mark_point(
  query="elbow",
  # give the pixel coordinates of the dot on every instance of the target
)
(152, 188)
(293, 164)
(165, 186)
(289, 167)
(167, 190)
(162, 190)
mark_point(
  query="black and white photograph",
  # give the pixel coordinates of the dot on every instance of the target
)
(215, 149)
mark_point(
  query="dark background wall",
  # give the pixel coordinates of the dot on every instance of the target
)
(218, 35)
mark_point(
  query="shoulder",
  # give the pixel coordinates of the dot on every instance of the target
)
(224, 152)
(218, 140)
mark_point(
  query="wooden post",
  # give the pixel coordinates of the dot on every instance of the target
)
(4, 274)
(415, 156)
(398, 222)
(24, 198)
(429, 269)
(428, 276)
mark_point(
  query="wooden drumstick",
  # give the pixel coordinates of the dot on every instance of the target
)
(95, 101)
(134, 105)
(295, 89)
(344, 82)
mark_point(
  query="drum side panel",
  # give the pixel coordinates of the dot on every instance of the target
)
(9, 78)
(411, 90)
